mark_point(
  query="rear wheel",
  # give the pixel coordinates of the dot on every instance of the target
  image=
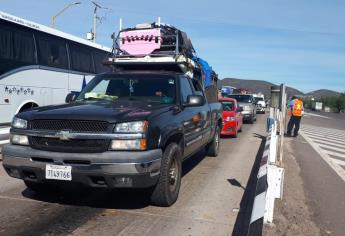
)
(212, 148)
(166, 191)
(240, 130)
(251, 121)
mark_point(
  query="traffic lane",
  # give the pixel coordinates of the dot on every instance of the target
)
(325, 190)
(324, 119)
(207, 203)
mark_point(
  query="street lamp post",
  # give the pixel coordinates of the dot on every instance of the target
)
(64, 9)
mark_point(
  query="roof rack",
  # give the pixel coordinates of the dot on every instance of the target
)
(154, 45)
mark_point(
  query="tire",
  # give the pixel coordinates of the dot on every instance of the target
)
(240, 130)
(165, 193)
(37, 187)
(251, 121)
(212, 148)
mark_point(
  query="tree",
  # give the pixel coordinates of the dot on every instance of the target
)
(340, 102)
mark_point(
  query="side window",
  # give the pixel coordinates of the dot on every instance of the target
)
(81, 58)
(197, 87)
(17, 47)
(186, 89)
(99, 57)
(51, 51)
(24, 48)
(6, 43)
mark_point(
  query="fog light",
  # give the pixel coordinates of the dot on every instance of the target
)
(19, 139)
(13, 172)
(137, 144)
(123, 182)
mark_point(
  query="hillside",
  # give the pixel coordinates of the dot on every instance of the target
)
(322, 93)
(255, 86)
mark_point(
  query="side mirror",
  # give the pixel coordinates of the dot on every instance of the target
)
(239, 109)
(195, 101)
(71, 97)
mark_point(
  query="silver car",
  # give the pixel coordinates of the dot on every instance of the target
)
(247, 102)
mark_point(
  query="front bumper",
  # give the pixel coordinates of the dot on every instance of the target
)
(247, 115)
(132, 169)
(229, 128)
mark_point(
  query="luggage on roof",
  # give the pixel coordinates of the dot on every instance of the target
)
(160, 46)
(153, 39)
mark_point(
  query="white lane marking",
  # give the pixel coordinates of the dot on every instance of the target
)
(325, 150)
(333, 144)
(340, 136)
(324, 130)
(316, 115)
(336, 154)
(320, 139)
(339, 162)
(330, 138)
(331, 148)
(314, 128)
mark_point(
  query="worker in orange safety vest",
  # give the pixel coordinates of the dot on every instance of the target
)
(296, 111)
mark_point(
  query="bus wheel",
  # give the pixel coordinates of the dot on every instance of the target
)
(28, 106)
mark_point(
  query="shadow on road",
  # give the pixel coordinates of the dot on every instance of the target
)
(246, 205)
(76, 195)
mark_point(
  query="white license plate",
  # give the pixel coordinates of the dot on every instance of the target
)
(59, 172)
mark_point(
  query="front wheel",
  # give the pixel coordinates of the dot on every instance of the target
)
(166, 191)
(212, 148)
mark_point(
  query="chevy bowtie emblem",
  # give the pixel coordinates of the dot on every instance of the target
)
(63, 134)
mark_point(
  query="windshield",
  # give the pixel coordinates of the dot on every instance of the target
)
(159, 89)
(242, 98)
(228, 106)
(258, 99)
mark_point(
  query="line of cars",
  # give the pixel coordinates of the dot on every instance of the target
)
(240, 108)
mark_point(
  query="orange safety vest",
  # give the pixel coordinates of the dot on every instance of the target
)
(297, 107)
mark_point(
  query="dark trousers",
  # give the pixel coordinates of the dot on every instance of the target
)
(294, 121)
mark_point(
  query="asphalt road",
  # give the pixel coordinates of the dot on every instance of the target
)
(320, 153)
(211, 194)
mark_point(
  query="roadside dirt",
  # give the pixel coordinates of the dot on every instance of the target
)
(292, 216)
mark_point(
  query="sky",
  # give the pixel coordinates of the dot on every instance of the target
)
(297, 42)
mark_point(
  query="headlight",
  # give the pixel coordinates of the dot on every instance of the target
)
(136, 144)
(230, 118)
(131, 127)
(19, 123)
(19, 139)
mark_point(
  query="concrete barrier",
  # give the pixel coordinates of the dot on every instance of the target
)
(258, 211)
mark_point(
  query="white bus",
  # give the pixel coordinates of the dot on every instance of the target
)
(39, 65)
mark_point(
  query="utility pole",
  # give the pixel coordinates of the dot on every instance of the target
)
(95, 18)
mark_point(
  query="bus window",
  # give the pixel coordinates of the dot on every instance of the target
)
(81, 58)
(51, 51)
(99, 57)
(16, 48)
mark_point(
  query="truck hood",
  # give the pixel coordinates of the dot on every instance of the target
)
(97, 110)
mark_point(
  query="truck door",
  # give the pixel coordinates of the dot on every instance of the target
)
(204, 113)
(192, 119)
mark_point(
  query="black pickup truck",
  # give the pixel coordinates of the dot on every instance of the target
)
(129, 129)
